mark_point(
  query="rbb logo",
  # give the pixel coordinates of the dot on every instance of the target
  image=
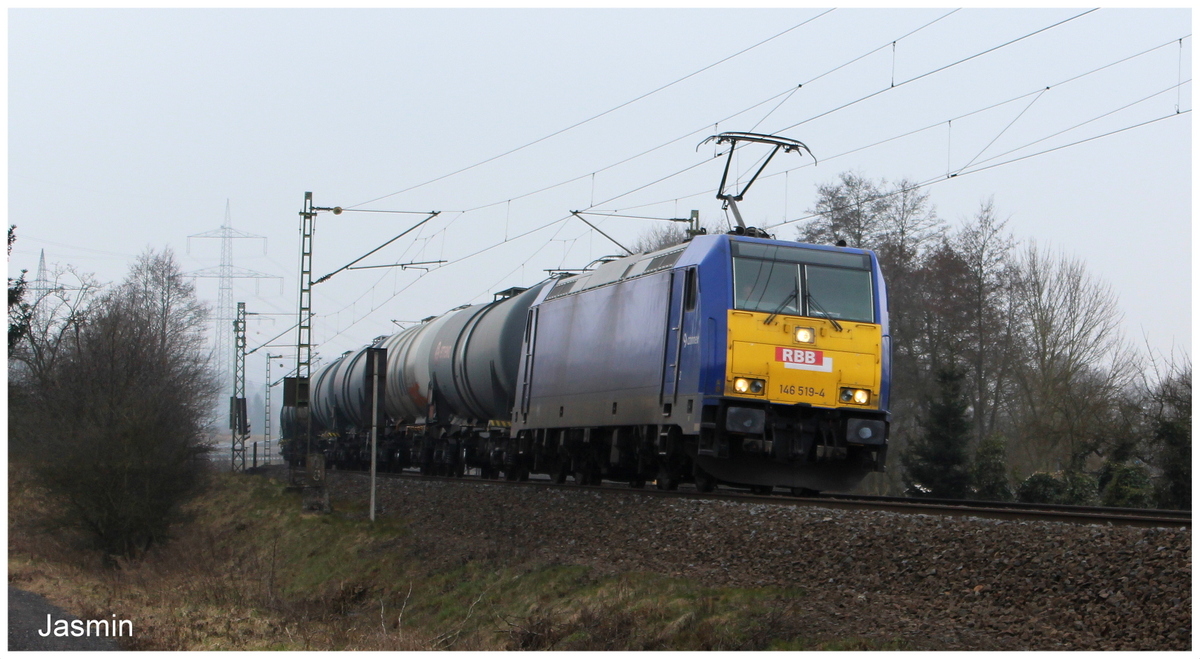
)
(805, 360)
(799, 356)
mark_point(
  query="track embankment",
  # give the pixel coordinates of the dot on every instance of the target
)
(936, 582)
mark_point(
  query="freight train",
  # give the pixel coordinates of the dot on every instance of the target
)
(730, 359)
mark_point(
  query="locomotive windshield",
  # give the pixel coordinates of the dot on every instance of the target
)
(805, 282)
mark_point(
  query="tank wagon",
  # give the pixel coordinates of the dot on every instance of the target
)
(729, 359)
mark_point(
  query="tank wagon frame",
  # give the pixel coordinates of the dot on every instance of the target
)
(728, 359)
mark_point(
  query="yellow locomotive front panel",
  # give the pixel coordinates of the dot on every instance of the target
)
(789, 360)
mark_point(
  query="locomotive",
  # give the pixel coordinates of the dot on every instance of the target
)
(730, 359)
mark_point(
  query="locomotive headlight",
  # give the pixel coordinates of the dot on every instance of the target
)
(857, 396)
(805, 335)
(749, 386)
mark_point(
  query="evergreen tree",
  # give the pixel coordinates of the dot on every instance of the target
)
(1170, 417)
(1174, 489)
(989, 474)
(1127, 486)
(936, 464)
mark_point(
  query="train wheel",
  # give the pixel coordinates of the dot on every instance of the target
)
(804, 492)
(560, 474)
(637, 482)
(704, 481)
(761, 489)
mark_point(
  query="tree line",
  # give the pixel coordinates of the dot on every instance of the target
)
(1010, 375)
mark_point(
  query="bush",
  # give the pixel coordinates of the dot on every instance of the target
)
(1081, 489)
(128, 394)
(1128, 486)
(1041, 488)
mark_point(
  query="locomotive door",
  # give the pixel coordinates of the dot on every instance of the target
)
(682, 328)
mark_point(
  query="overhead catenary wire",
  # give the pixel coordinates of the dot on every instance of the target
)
(938, 70)
(789, 91)
(887, 89)
(1097, 118)
(597, 116)
(848, 63)
(959, 117)
(916, 186)
(705, 127)
(941, 178)
(1004, 130)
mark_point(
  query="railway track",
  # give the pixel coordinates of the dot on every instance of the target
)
(947, 507)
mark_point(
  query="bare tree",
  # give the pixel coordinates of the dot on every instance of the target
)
(988, 348)
(662, 236)
(56, 317)
(115, 419)
(908, 225)
(1075, 366)
(852, 209)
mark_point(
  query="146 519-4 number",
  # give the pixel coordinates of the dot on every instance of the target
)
(793, 390)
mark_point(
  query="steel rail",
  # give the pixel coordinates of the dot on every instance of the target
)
(953, 508)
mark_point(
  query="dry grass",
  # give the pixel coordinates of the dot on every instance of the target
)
(250, 571)
(225, 582)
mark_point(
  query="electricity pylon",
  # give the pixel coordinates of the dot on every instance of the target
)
(226, 273)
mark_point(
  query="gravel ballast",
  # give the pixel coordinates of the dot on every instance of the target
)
(934, 582)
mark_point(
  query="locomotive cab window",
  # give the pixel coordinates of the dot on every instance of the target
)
(840, 293)
(765, 286)
(805, 282)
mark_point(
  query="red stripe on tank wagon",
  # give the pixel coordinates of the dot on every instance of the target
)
(808, 360)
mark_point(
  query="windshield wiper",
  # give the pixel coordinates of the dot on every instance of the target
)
(794, 293)
(813, 301)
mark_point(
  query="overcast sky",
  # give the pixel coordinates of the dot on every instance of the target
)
(134, 128)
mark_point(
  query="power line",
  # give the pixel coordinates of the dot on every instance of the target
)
(1079, 125)
(886, 89)
(939, 69)
(791, 90)
(940, 178)
(593, 118)
(892, 43)
(942, 122)
(787, 92)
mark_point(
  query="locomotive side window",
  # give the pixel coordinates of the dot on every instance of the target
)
(690, 292)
